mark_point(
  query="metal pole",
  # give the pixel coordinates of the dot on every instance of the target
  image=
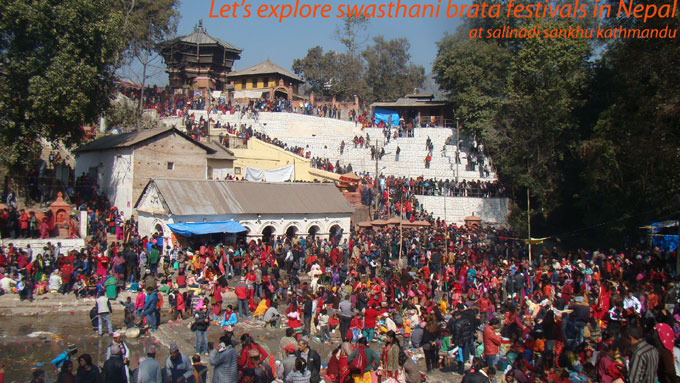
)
(529, 222)
(401, 230)
(457, 149)
(377, 178)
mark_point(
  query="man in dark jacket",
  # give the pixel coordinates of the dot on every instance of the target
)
(463, 332)
(313, 360)
(114, 370)
(130, 264)
(307, 312)
(202, 319)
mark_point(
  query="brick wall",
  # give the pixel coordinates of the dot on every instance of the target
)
(151, 161)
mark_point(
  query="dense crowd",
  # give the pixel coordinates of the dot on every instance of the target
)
(467, 299)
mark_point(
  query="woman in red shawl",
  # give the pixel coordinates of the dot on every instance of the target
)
(217, 298)
(102, 264)
(602, 304)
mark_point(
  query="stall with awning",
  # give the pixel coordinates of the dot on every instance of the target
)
(188, 229)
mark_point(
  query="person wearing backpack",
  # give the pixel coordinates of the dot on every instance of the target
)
(362, 361)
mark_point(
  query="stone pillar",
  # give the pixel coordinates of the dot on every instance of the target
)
(311, 98)
(333, 102)
(102, 124)
(356, 103)
(83, 223)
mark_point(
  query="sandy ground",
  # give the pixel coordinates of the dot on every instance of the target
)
(33, 333)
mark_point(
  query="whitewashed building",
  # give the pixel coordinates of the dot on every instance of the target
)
(263, 209)
(122, 164)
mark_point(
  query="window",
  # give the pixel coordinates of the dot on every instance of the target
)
(255, 83)
(266, 82)
(237, 170)
(171, 165)
(243, 84)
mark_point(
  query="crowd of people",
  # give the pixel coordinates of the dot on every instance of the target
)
(465, 298)
(469, 300)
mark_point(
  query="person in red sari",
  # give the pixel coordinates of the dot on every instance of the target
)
(217, 296)
(293, 314)
(102, 264)
(602, 305)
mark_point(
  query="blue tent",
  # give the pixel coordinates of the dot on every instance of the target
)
(384, 115)
(200, 228)
(664, 241)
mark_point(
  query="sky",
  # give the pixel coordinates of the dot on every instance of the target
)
(282, 42)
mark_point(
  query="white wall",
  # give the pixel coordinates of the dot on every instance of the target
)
(455, 209)
(147, 223)
(38, 244)
(115, 175)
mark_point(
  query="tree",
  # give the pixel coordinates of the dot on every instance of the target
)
(317, 69)
(631, 154)
(522, 99)
(57, 61)
(475, 74)
(154, 21)
(389, 72)
(350, 33)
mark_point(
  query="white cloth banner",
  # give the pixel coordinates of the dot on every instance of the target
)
(286, 173)
(253, 174)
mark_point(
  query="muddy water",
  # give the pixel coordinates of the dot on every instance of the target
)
(49, 336)
(21, 353)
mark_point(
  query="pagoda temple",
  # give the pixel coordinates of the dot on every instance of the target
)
(198, 60)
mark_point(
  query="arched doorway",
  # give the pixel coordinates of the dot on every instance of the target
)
(281, 93)
(158, 229)
(267, 233)
(291, 231)
(313, 230)
(335, 233)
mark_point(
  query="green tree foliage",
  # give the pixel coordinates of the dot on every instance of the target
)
(151, 22)
(595, 138)
(57, 61)
(317, 69)
(57, 64)
(389, 72)
(478, 72)
(382, 71)
(631, 158)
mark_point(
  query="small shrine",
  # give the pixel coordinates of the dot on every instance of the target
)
(61, 211)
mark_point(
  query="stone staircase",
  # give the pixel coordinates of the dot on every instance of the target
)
(322, 137)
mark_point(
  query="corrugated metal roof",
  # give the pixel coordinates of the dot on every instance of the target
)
(264, 67)
(132, 138)
(205, 197)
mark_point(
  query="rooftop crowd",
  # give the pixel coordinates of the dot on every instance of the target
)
(467, 299)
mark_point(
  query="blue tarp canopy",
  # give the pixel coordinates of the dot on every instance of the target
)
(381, 114)
(664, 241)
(200, 228)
